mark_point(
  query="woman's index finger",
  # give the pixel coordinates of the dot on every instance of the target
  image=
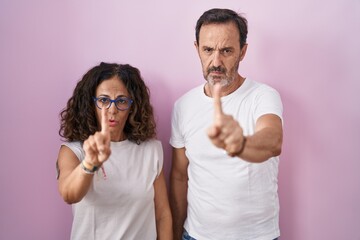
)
(104, 120)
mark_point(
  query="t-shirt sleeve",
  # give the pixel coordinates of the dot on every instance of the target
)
(76, 147)
(176, 138)
(268, 101)
(159, 158)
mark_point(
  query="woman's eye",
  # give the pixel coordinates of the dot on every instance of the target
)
(121, 101)
(104, 100)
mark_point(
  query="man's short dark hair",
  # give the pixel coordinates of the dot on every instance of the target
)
(217, 15)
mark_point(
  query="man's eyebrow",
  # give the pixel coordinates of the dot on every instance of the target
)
(226, 48)
(221, 49)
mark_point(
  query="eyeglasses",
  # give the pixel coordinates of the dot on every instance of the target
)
(121, 103)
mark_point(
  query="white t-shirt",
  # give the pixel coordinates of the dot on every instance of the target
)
(122, 205)
(228, 198)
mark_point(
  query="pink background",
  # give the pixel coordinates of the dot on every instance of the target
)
(308, 50)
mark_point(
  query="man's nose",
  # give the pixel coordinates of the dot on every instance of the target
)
(217, 60)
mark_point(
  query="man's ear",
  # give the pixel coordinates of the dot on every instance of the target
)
(196, 46)
(243, 52)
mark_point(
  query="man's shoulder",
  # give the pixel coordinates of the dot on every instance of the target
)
(190, 95)
(255, 86)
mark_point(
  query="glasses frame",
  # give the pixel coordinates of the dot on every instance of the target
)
(130, 101)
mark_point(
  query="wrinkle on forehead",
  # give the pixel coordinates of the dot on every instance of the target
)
(112, 87)
(219, 36)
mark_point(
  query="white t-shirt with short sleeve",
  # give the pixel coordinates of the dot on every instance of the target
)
(120, 206)
(228, 198)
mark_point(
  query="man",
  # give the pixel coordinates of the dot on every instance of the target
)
(226, 136)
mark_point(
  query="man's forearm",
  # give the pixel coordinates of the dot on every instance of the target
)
(262, 145)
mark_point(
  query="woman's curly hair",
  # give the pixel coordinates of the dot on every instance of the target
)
(78, 119)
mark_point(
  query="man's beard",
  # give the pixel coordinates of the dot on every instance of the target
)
(225, 80)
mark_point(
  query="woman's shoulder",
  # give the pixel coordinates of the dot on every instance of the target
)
(152, 143)
(75, 144)
(76, 147)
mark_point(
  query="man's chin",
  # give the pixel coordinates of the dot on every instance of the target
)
(221, 81)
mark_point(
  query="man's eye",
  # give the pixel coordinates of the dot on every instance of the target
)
(226, 51)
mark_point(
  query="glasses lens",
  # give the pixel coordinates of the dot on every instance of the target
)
(123, 103)
(103, 102)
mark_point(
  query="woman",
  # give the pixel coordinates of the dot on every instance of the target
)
(110, 167)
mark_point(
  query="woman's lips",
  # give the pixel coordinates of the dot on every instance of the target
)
(112, 123)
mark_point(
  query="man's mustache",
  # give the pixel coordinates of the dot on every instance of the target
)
(216, 69)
